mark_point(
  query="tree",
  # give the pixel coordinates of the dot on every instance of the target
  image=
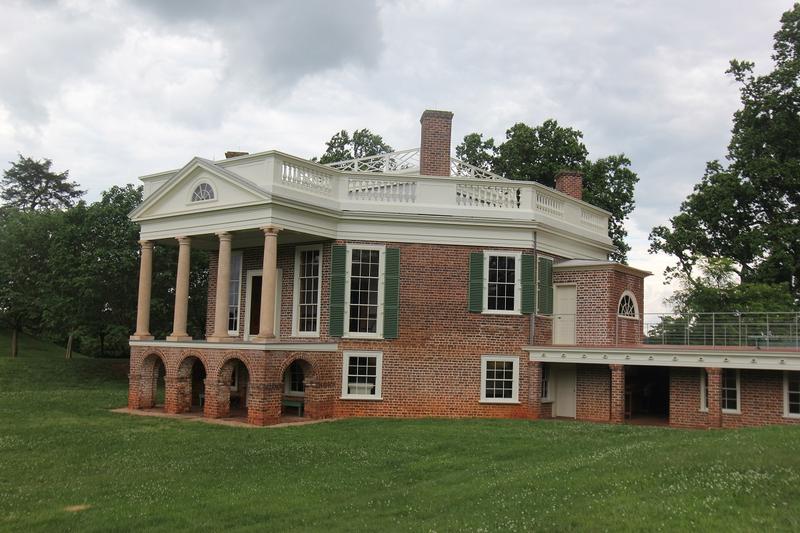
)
(25, 243)
(748, 212)
(363, 143)
(476, 151)
(609, 183)
(538, 153)
(30, 185)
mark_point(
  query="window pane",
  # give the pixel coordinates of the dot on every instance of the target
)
(499, 379)
(501, 283)
(362, 375)
(308, 298)
(234, 292)
(364, 287)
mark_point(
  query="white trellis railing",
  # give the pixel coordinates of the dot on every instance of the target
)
(397, 162)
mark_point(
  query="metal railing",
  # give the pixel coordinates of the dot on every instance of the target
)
(751, 330)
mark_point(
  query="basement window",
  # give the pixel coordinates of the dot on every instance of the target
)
(791, 391)
(361, 375)
(731, 391)
(499, 379)
(545, 383)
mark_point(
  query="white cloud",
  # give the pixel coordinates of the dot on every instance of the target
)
(115, 89)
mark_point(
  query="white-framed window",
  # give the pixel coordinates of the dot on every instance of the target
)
(235, 377)
(499, 379)
(234, 293)
(791, 394)
(703, 390)
(501, 272)
(628, 308)
(364, 285)
(307, 291)
(203, 192)
(731, 390)
(294, 380)
(361, 375)
(545, 383)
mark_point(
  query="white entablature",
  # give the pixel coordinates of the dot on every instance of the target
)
(381, 198)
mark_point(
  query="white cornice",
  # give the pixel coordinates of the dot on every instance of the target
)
(270, 346)
(668, 356)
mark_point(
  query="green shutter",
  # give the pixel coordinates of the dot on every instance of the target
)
(338, 270)
(545, 286)
(527, 285)
(476, 282)
(391, 294)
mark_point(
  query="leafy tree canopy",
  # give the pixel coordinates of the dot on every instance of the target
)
(363, 143)
(748, 211)
(538, 153)
(31, 185)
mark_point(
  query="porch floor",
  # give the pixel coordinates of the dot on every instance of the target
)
(196, 415)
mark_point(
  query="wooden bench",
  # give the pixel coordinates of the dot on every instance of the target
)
(298, 404)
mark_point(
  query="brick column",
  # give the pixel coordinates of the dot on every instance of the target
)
(223, 288)
(617, 394)
(714, 390)
(134, 387)
(264, 403)
(266, 328)
(174, 395)
(217, 403)
(535, 400)
(182, 291)
(142, 332)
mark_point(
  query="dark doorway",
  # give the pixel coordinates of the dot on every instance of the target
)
(198, 384)
(255, 305)
(647, 393)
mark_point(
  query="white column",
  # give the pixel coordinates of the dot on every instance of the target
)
(223, 288)
(266, 329)
(142, 332)
(182, 291)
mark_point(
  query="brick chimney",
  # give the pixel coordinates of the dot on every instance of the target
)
(434, 146)
(231, 154)
(570, 182)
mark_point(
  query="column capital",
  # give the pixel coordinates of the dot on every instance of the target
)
(271, 229)
(146, 244)
(713, 370)
(224, 235)
(183, 240)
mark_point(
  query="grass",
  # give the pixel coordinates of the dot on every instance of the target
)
(67, 463)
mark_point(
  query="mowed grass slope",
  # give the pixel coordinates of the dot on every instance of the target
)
(61, 447)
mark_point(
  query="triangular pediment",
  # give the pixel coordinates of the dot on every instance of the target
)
(218, 188)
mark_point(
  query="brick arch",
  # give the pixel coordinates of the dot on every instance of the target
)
(148, 372)
(316, 398)
(183, 391)
(309, 361)
(222, 381)
(245, 358)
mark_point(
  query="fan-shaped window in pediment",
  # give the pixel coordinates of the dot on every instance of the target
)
(203, 193)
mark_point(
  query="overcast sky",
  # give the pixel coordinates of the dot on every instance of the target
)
(113, 90)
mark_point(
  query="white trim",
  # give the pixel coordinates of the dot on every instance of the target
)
(514, 385)
(347, 334)
(235, 332)
(270, 346)
(738, 409)
(786, 412)
(248, 302)
(296, 292)
(635, 305)
(683, 356)
(378, 375)
(517, 282)
(703, 399)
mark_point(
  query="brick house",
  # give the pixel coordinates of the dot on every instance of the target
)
(411, 285)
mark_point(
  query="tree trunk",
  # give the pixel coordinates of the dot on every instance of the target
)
(68, 354)
(14, 342)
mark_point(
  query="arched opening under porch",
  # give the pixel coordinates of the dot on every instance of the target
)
(295, 378)
(233, 396)
(190, 387)
(152, 383)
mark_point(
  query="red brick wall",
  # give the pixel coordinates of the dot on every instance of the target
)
(570, 182)
(434, 156)
(598, 294)
(593, 392)
(684, 398)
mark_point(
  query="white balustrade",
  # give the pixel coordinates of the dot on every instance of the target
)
(593, 220)
(305, 178)
(375, 190)
(487, 196)
(549, 204)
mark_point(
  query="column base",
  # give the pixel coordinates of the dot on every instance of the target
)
(213, 338)
(179, 338)
(136, 337)
(263, 339)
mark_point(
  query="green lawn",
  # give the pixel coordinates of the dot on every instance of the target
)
(60, 447)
